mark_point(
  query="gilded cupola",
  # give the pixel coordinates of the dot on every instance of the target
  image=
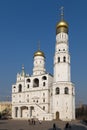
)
(39, 53)
(62, 25)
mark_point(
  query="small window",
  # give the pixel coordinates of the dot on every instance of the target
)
(27, 85)
(64, 59)
(43, 107)
(20, 88)
(44, 84)
(44, 78)
(57, 90)
(27, 100)
(66, 90)
(28, 80)
(14, 87)
(58, 59)
(44, 100)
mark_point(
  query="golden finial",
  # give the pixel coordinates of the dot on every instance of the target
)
(39, 52)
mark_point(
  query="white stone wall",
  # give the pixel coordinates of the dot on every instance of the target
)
(39, 65)
(42, 95)
(30, 96)
(64, 103)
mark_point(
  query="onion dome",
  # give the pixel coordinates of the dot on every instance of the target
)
(62, 23)
(39, 53)
(62, 26)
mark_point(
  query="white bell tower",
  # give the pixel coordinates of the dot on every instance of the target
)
(63, 89)
(62, 57)
(39, 63)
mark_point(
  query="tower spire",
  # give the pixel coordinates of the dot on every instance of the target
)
(62, 12)
(23, 72)
(38, 45)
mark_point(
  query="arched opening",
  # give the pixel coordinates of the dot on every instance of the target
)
(20, 88)
(66, 90)
(28, 80)
(24, 111)
(36, 82)
(57, 115)
(64, 59)
(57, 91)
(44, 78)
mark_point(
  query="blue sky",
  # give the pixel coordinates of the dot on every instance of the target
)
(25, 22)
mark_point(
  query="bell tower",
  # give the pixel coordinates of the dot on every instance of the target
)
(39, 63)
(63, 96)
(62, 57)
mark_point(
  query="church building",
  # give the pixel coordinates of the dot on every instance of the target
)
(44, 96)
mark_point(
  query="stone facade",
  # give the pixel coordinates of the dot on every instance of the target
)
(42, 95)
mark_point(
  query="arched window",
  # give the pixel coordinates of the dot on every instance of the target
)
(66, 90)
(20, 88)
(57, 91)
(14, 87)
(28, 80)
(44, 78)
(36, 82)
(43, 99)
(58, 59)
(64, 59)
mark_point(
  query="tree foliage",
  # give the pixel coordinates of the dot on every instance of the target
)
(81, 113)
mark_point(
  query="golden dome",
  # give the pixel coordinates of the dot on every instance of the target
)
(62, 24)
(39, 53)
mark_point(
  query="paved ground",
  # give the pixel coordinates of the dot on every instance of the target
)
(45, 125)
